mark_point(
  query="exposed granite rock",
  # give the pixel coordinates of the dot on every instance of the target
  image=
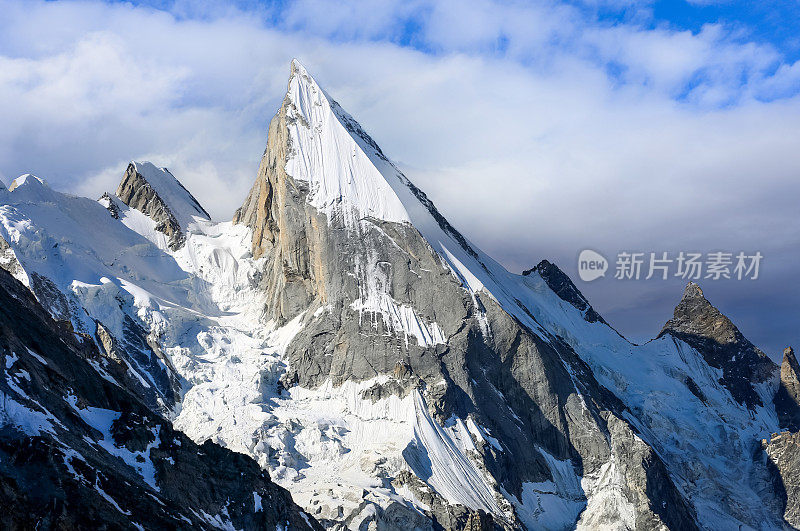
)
(9, 262)
(60, 420)
(658, 505)
(50, 297)
(442, 514)
(534, 394)
(563, 286)
(135, 191)
(783, 452)
(723, 346)
(136, 361)
(787, 399)
(110, 203)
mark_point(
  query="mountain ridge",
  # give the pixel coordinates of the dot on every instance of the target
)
(385, 370)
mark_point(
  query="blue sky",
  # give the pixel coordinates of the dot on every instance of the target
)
(769, 24)
(538, 128)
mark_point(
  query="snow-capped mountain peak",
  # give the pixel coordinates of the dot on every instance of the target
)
(341, 174)
(28, 181)
(159, 195)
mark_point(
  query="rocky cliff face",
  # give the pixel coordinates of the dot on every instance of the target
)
(783, 459)
(787, 399)
(157, 194)
(562, 286)
(78, 450)
(702, 326)
(9, 262)
(375, 300)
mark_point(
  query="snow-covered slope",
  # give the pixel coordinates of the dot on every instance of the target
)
(379, 365)
(157, 194)
(181, 203)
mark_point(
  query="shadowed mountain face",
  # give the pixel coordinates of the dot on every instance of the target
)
(380, 367)
(787, 399)
(562, 286)
(723, 346)
(79, 451)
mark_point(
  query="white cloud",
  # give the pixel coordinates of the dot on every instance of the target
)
(513, 125)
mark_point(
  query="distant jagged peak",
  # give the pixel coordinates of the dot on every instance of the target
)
(693, 291)
(694, 314)
(787, 399)
(697, 322)
(562, 285)
(159, 195)
(171, 191)
(789, 357)
(110, 203)
(790, 372)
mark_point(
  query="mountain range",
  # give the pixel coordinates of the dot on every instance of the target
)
(339, 356)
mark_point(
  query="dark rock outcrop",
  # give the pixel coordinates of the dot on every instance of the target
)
(783, 454)
(79, 451)
(563, 286)
(787, 399)
(137, 192)
(110, 203)
(722, 345)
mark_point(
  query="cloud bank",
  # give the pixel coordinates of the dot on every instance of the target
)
(538, 129)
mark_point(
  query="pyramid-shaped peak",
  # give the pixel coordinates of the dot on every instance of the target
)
(27, 180)
(344, 168)
(159, 195)
(169, 189)
(696, 315)
(692, 291)
(697, 322)
(297, 68)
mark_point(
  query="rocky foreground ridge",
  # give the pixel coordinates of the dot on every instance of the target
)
(78, 450)
(365, 356)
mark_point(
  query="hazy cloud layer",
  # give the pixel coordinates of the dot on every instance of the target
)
(538, 129)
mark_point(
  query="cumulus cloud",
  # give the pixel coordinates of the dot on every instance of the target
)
(538, 129)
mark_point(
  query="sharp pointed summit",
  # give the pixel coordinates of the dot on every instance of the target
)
(159, 195)
(692, 291)
(704, 327)
(563, 286)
